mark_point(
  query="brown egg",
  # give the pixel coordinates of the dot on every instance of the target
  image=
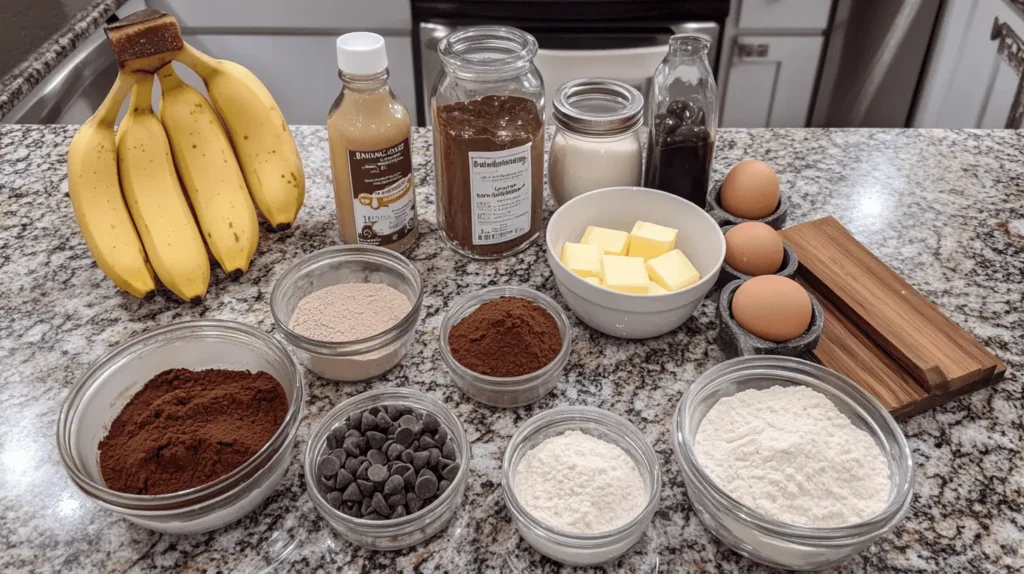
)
(753, 248)
(773, 308)
(751, 190)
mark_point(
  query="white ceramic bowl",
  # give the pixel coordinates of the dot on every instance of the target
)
(623, 314)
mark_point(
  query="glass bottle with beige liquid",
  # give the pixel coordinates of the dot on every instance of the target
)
(371, 160)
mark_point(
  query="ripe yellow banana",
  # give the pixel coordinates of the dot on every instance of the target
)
(96, 197)
(156, 202)
(262, 142)
(210, 173)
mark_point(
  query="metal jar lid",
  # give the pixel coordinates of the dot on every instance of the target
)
(598, 107)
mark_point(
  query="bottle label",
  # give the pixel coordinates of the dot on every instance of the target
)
(383, 195)
(501, 191)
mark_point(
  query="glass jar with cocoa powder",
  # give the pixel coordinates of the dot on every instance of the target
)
(488, 113)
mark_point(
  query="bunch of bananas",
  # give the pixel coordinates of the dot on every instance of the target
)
(126, 189)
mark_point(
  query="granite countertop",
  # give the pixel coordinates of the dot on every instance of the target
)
(17, 83)
(944, 208)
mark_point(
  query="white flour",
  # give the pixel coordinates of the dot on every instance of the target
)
(579, 483)
(788, 453)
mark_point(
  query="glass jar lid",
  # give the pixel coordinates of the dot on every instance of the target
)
(487, 51)
(598, 107)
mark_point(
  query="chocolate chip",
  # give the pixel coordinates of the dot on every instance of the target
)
(414, 502)
(334, 499)
(407, 456)
(351, 509)
(328, 466)
(340, 454)
(420, 460)
(327, 482)
(394, 411)
(427, 472)
(383, 421)
(410, 479)
(355, 419)
(367, 506)
(435, 455)
(443, 486)
(352, 493)
(361, 460)
(405, 435)
(365, 487)
(396, 499)
(368, 423)
(407, 421)
(392, 430)
(449, 451)
(395, 451)
(352, 465)
(386, 446)
(377, 474)
(450, 471)
(394, 485)
(430, 422)
(398, 512)
(376, 439)
(427, 443)
(441, 436)
(353, 434)
(415, 445)
(361, 473)
(344, 479)
(377, 457)
(444, 463)
(374, 410)
(401, 468)
(426, 486)
(339, 431)
(332, 442)
(380, 506)
(355, 446)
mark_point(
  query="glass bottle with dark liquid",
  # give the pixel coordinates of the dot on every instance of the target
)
(684, 108)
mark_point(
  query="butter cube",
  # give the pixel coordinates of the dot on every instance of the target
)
(594, 280)
(625, 274)
(582, 259)
(672, 271)
(649, 240)
(655, 289)
(611, 241)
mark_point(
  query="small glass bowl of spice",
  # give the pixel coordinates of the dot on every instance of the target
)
(388, 468)
(581, 483)
(350, 312)
(505, 346)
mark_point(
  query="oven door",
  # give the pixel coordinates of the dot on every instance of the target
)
(629, 57)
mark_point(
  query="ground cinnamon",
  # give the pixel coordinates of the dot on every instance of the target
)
(506, 337)
(188, 428)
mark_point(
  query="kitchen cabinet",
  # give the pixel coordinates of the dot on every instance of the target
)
(771, 81)
(969, 84)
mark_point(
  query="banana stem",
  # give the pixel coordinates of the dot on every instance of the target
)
(201, 63)
(169, 78)
(142, 94)
(106, 114)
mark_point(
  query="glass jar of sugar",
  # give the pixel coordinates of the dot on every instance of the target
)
(596, 143)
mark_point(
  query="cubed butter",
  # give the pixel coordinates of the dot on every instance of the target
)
(625, 274)
(672, 271)
(649, 240)
(611, 241)
(594, 280)
(582, 259)
(655, 289)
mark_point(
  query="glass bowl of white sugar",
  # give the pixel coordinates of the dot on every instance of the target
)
(789, 463)
(349, 312)
(582, 484)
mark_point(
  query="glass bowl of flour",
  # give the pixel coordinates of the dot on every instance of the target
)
(789, 463)
(599, 479)
(349, 312)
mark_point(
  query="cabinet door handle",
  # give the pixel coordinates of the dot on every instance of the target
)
(752, 50)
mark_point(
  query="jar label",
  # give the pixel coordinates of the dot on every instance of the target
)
(501, 194)
(383, 195)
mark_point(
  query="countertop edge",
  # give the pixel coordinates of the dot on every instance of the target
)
(33, 70)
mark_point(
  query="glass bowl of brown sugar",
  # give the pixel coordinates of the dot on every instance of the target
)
(115, 379)
(505, 346)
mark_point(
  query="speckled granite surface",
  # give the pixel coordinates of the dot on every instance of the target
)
(24, 78)
(944, 208)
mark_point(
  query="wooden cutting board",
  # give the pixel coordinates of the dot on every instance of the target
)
(879, 331)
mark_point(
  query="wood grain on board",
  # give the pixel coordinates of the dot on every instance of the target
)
(938, 354)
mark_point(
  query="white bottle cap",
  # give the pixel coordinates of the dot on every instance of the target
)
(361, 54)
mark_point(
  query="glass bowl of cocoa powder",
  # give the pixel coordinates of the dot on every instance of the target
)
(505, 346)
(224, 479)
